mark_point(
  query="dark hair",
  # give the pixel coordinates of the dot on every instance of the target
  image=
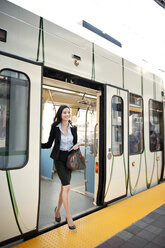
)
(57, 118)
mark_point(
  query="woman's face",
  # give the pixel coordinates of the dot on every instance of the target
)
(65, 116)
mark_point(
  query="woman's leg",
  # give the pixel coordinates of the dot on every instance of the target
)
(60, 201)
(65, 177)
(65, 198)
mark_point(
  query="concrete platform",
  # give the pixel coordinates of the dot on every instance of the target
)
(148, 232)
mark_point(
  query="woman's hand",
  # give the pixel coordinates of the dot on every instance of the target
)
(75, 147)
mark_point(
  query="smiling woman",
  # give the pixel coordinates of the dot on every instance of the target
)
(65, 136)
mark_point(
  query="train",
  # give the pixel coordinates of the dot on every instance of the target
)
(118, 107)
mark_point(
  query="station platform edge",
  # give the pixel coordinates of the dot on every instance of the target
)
(101, 225)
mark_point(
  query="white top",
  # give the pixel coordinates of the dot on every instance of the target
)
(66, 139)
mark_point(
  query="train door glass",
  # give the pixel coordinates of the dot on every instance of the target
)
(116, 143)
(14, 110)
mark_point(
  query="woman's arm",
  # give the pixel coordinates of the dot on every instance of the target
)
(50, 140)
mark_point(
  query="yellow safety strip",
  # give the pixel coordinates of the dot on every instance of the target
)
(83, 186)
(97, 227)
(80, 192)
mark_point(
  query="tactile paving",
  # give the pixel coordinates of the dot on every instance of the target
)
(97, 227)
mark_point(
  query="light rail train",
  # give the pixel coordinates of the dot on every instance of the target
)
(117, 106)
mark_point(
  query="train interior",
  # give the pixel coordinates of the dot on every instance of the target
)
(84, 105)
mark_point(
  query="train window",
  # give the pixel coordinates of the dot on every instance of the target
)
(156, 125)
(136, 133)
(14, 111)
(117, 125)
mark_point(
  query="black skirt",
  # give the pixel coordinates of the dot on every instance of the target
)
(62, 171)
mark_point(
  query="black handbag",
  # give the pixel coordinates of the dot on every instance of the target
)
(75, 160)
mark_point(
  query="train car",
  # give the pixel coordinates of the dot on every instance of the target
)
(117, 106)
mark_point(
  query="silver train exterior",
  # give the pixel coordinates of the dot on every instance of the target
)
(133, 100)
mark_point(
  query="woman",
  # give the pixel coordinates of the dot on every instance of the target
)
(65, 137)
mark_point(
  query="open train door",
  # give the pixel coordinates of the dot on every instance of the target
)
(116, 143)
(20, 109)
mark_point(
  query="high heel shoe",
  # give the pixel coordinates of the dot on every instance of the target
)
(59, 218)
(71, 227)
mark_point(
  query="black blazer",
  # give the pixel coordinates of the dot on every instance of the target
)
(55, 135)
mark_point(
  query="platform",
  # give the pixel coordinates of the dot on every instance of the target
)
(148, 232)
(138, 221)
